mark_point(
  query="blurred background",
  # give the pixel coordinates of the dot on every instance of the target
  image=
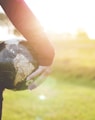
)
(68, 93)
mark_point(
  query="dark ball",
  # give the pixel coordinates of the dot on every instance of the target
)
(16, 63)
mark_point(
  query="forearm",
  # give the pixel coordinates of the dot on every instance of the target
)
(27, 24)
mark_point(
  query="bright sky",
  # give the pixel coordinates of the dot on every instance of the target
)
(65, 15)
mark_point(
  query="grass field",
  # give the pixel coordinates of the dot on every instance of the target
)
(67, 94)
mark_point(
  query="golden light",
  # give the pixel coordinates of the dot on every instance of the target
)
(65, 15)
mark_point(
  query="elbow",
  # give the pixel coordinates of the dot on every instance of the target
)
(47, 59)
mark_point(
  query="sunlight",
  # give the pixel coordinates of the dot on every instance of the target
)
(42, 97)
(65, 15)
(52, 15)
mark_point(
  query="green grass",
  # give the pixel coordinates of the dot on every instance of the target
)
(63, 102)
(69, 90)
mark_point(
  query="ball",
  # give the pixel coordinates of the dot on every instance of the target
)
(16, 63)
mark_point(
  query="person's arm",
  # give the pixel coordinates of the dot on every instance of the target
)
(28, 25)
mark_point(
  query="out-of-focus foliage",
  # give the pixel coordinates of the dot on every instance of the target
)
(5, 22)
(82, 35)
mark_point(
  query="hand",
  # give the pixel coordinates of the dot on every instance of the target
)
(37, 77)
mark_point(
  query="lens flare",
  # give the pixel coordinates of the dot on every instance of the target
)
(42, 97)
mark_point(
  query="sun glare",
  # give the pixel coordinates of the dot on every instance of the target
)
(51, 14)
(65, 15)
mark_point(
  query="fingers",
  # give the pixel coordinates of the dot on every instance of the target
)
(40, 74)
(39, 80)
(41, 70)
